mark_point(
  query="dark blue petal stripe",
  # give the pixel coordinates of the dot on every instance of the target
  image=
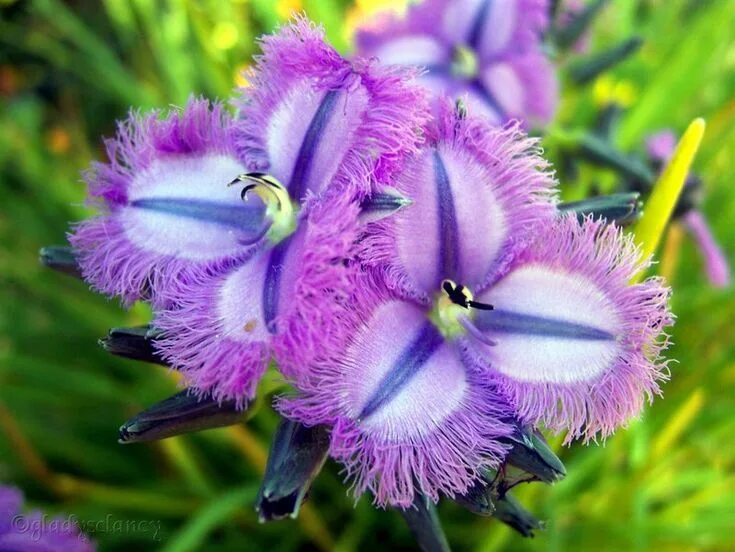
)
(486, 95)
(272, 282)
(425, 344)
(297, 187)
(478, 25)
(448, 230)
(501, 321)
(243, 217)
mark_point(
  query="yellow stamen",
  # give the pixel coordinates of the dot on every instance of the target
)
(281, 211)
(446, 313)
(464, 62)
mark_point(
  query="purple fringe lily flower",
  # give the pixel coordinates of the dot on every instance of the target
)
(482, 304)
(490, 51)
(36, 532)
(237, 282)
(660, 147)
(416, 281)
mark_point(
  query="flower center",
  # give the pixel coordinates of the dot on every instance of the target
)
(464, 62)
(280, 210)
(453, 310)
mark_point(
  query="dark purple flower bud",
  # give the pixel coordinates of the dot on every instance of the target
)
(185, 412)
(296, 457)
(60, 258)
(509, 511)
(531, 453)
(137, 343)
(423, 520)
(478, 498)
(381, 205)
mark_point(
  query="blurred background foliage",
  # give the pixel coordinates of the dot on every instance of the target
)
(68, 70)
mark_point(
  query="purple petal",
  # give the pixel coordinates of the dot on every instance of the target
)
(216, 335)
(660, 146)
(476, 190)
(502, 81)
(718, 269)
(487, 26)
(11, 501)
(311, 117)
(407, 416)
(36, 532)
(571, 331)
(169, 217)
(524, 86)
(418, 50)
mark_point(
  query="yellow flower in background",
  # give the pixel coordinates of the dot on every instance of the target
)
(285, 8)
(364, 9)
(607, 90)
(225, 35)
(240, 75)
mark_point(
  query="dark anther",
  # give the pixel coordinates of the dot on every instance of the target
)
(459, 295)
(480, 306)
(255, 181)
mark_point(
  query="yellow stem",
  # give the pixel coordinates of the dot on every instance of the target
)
(666, 191)
(29, 457)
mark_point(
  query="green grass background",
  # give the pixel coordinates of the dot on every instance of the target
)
(68, 70)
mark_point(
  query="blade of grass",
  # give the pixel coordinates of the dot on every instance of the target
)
(193, 535)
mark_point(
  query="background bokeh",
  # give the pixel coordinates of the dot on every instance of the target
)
(68, 70)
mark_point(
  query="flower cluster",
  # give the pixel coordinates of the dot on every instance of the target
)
(243, 273)
(506, 309)
(492, 52)
(403, 262)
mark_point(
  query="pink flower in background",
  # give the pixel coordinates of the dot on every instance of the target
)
(660, 147)
(34, 531)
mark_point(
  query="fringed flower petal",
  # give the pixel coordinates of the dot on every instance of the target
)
(476, 191)
(575, 345)
(169, 219)
(310, 117)
(523, 87)
(407, 417)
